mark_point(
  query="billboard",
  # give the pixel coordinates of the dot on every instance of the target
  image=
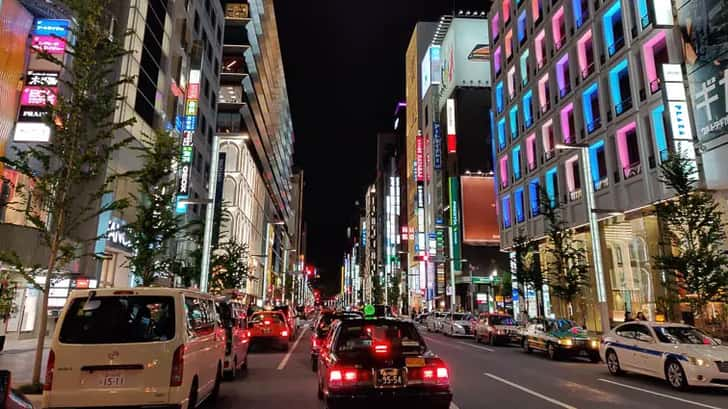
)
(480, 221)
(705, 43)
(455, 248)
(15, 25)
(430, 68)
(464, 56)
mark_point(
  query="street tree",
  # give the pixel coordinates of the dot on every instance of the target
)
(528, 270)
(567, 270)
(230, 266)
(155, 222)
(694, 234)
(68, 176)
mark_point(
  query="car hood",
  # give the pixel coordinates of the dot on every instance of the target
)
(577, 333)
(710, 352)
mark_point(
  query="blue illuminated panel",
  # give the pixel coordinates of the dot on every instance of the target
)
(513, 119)
(658, 126)
(502, 133)
(516, 162)
(533, 197)
(506, 211)
(499, 97)
(527, 111)
(518, 197)
(552, 186)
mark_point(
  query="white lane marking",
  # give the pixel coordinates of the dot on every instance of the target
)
(529, 391)
(478, 346)
(285, 359)
(664, 395)
(453, 405)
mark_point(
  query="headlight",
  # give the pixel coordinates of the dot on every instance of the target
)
(566, 341)
(594, 343)
(699, 361)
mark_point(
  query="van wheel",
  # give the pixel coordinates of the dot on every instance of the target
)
(192, 401)
(216, 389)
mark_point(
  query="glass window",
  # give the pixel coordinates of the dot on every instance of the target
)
(509, 44)
(506, 210)
(524, 66)
(497, 60)
(358, 339)
(522, 27)
(568, 131)
(518, 197)
(654, 54)
(552, 186)
(598, 163)
(527, 110)
(581, 12)
(495, 26)
(118, 320)
(563, 77)
(537, 10)
(513, 119)
(683, 335)
(534, 198)
(502, 133)
(540, 47)
(590, 106)
(658, 126)
(613, 28)
(558, 28)
(516, 162)
(585, 54)
(619, 86)
(499, 97)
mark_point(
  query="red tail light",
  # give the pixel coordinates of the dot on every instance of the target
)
(48, 385)
(314, 341)
(442, 374)
(350, 376)
(249, 334)
(346, 376)
(381, 348)
(266, 322)
(178, 363)
(335, 377)
(284, 333)
(436, 375)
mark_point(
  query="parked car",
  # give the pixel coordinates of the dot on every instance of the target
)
(233, 317)
(681, 354)
(269, 327)
(434, 321)
(496, 329)
(290, 319)
(135, 347)
(420, 318)
(10, 398)
(457, 324)
(560, 338)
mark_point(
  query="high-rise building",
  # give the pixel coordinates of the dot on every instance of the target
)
(254, 120)
(597, 78)
(388, 204)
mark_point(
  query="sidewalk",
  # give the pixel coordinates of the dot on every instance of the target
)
(18, 357)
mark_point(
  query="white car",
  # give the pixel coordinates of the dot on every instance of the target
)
(458, 324)
(160, 347)
(681, 354)
(434, 321)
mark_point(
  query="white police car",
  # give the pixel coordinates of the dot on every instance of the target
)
(681, 354)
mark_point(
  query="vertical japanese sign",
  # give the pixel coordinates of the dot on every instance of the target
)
(40, 87)
(188, 124)
(437, 146)
(420, 157)
(451, 132)
(455, 251)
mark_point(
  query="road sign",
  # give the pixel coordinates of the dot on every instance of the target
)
(486, 280)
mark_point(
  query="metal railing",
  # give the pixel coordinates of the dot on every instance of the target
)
(623, 106)
(632, 170)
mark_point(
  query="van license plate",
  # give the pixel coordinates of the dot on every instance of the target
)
(112, 380)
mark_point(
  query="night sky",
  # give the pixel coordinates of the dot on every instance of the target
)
(344, 67)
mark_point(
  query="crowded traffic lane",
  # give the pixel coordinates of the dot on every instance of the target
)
(485, 376)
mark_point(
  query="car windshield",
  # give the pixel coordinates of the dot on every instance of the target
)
(501, 320)
(272, 318)
(118, 320)
(562, 325)
(683, 335)
(362, 337)
(462, 317)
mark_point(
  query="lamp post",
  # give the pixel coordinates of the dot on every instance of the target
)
(594, 228)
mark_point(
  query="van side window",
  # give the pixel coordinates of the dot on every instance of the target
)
(200, 316)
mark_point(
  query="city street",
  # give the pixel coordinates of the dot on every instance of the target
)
(482, 376)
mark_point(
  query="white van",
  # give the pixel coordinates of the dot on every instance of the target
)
(160, 347)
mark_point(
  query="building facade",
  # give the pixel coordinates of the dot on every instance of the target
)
(594, 75)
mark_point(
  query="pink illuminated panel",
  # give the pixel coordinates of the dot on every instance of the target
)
(536, 10)
(540, 46)
(547, 136)
(531, 151)
(543, 93)
(655, 54)
(509, 44)
(38, 96)
(572, 173)
(503, 171)
(558, 28)
(627, 146)
(494, 26)
(506, 11)
(585, 54)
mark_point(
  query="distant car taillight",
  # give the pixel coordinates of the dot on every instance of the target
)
(178, 363)
(48, 385)
(284, 333)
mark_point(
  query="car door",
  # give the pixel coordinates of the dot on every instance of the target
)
(647, 357)
(625, 346)
(537, 334)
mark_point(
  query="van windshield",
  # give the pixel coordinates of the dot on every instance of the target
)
(118, 320)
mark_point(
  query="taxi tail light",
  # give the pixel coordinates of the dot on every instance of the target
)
(50, 366)
(346, 376)
(442, 374)
(266, 322)
(178, 363)
(249, 334)
(314, 341)
(432, 374)
(284, 333)
(381, 348)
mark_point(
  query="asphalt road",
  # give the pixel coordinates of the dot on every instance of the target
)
(482, 377)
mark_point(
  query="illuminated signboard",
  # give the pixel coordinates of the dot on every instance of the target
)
(38, 96)
(188, 125)
(437, 145)
(51, 27)
(420, 158)
(454, 222)
(31, 114)
(49, 44)
(31, 132)
(41, 78)
(451, 132)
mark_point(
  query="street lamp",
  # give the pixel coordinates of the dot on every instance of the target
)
(595, 236)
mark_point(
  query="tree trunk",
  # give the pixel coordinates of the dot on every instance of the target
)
(44, 316)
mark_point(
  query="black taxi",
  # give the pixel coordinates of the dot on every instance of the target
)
(380, 361)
